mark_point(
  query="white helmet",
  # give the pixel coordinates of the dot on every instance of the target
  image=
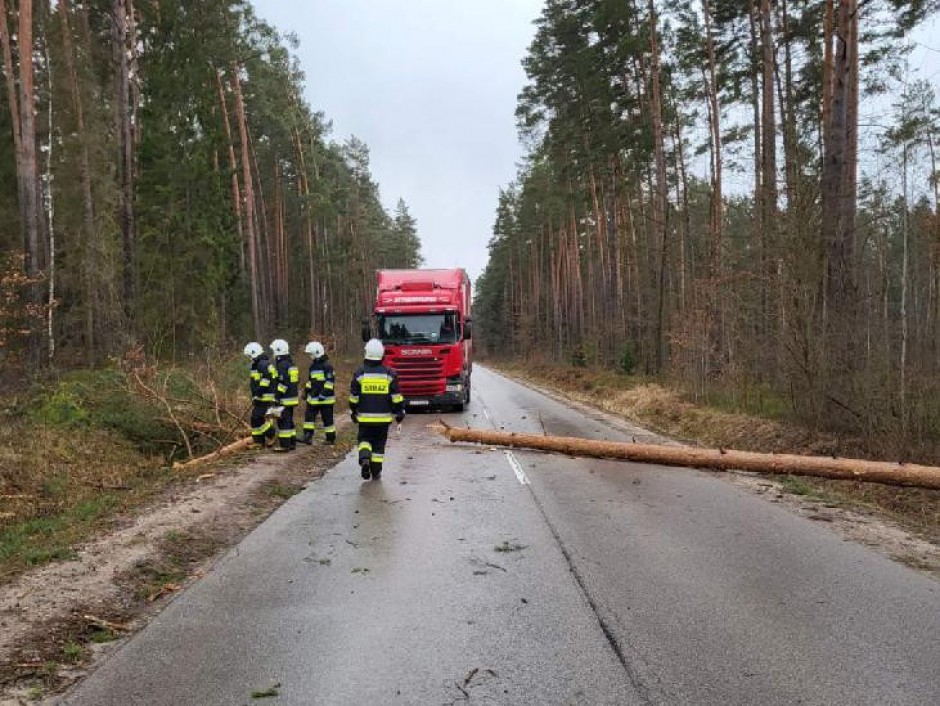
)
(253, 350)
(375, 350)
(279, 347)
(315, 349)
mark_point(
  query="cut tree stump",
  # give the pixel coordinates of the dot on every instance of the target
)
(904, 474)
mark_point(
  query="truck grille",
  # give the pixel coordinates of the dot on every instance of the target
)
(419, 376)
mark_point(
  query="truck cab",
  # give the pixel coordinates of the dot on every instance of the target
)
(423, 319)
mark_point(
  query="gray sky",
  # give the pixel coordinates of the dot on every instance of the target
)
(431, 86)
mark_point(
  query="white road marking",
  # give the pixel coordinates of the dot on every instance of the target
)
(520, 474)
(486, 413)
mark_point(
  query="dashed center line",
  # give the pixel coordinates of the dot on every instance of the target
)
(517, 469)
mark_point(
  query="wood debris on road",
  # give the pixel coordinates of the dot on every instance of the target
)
(903, 474)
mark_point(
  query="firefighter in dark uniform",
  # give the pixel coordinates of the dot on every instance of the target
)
(286, 394)
(374, 400)
(321, 395)
(263, 377)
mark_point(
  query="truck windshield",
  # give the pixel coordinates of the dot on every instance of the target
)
(418, 328)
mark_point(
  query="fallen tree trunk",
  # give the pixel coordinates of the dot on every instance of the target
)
(215, 455)
(905, 474)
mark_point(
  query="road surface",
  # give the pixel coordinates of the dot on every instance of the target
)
(471, 575)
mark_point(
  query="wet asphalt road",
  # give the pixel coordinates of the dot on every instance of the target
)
(624, 584)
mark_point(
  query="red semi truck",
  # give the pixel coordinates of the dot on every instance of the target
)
(423, 318)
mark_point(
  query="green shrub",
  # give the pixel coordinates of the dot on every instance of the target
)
(628, 359)
(63, 406)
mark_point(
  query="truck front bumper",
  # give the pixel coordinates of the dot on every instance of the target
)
(443, 400)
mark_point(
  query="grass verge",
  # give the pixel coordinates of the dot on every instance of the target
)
(82, 449)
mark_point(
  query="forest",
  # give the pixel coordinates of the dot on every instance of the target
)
(740, 197)
(166, 185)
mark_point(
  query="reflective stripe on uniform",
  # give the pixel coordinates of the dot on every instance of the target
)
(365, 446)
(318, 403)
(328, 386)
(293, 375)
(366, 417)
(310, 426)
(289, 401)
(330, 429)
(262, 429)
(354, 399)
(378, 458)
(265, 382)
(255, 375)
(397, 399)
(287, 434)
(318, 376)
(267, 397)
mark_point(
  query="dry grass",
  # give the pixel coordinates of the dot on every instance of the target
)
(665, 410)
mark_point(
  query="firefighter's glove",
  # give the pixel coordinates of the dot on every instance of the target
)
(400, 417)
(355, 418)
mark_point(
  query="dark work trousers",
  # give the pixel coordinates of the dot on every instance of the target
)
(286, 433)
(372, 438)
(325, 411)
(261, 427)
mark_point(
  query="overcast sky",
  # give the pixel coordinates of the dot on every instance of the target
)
(431, 87)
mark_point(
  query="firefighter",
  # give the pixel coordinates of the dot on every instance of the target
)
(263, 376)
(321, 396)
(286, 394)
(374, 401)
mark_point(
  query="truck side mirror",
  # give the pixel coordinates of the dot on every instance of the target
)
(366, 331)
(468, 329)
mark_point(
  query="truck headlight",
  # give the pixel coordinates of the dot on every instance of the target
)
(455, 388)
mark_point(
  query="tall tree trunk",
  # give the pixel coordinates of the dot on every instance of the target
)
(303, 190)
(905, 270)
(9, 72)
(23, 118)
(769, 197)
(754, 73)
(249, 202)
(838, 204)
(827, 71)
(125, 131)
(714, 117)
(90, 272)
(49, 203)
(233, 168)
(934, 313)
(661, 195)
